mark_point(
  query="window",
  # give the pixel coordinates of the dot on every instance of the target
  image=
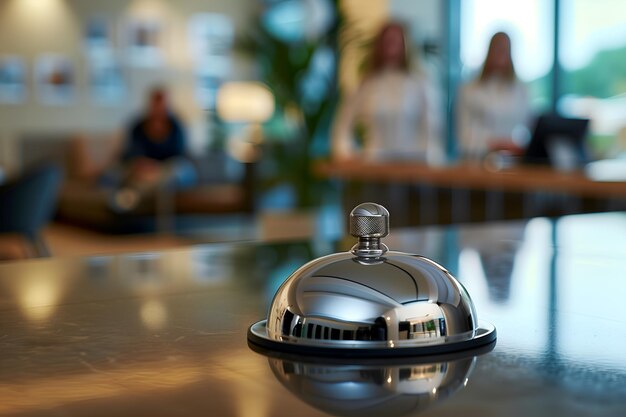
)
(592, 55)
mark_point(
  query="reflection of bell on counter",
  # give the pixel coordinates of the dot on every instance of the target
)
(376, 387)
(371, 302)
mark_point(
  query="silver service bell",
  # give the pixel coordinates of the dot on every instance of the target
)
(371, 302)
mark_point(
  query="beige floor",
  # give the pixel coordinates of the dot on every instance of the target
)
(67, 241)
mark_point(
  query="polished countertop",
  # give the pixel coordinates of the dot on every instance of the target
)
(164, 333)
(519, 178)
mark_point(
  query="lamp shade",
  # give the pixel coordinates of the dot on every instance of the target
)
(250, 102)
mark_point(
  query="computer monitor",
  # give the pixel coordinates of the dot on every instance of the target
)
(558, 141)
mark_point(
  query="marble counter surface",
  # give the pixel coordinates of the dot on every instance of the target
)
(164, 333)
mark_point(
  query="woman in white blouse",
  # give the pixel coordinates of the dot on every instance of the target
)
(493, 110)
(393, 106)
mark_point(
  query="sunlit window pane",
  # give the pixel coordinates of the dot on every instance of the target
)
(592, 55)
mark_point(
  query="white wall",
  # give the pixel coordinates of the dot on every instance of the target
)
(423, 17)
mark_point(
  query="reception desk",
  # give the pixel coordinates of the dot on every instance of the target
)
(528, 181)
(164, 333)
(520, 178)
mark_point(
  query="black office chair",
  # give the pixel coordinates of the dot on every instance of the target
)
(28, 203)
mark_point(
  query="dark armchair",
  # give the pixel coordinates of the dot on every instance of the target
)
(28, 203)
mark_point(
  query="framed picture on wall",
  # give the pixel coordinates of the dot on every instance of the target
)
(210, 74)
(55, 80)
(211, 38)
(107, 83)
(12, 80)
(97, 36)
(144, 42)
(210, 34)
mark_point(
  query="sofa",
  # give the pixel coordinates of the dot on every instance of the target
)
(225, 186)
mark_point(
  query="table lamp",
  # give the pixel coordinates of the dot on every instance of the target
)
(248, 103)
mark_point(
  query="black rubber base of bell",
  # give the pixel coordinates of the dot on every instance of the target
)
(488, 336)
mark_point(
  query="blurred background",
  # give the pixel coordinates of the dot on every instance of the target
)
(244, 99)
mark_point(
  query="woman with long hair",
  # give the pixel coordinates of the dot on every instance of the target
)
(392, 105)
(493, 109)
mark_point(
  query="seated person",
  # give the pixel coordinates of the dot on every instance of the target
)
(154, 156)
